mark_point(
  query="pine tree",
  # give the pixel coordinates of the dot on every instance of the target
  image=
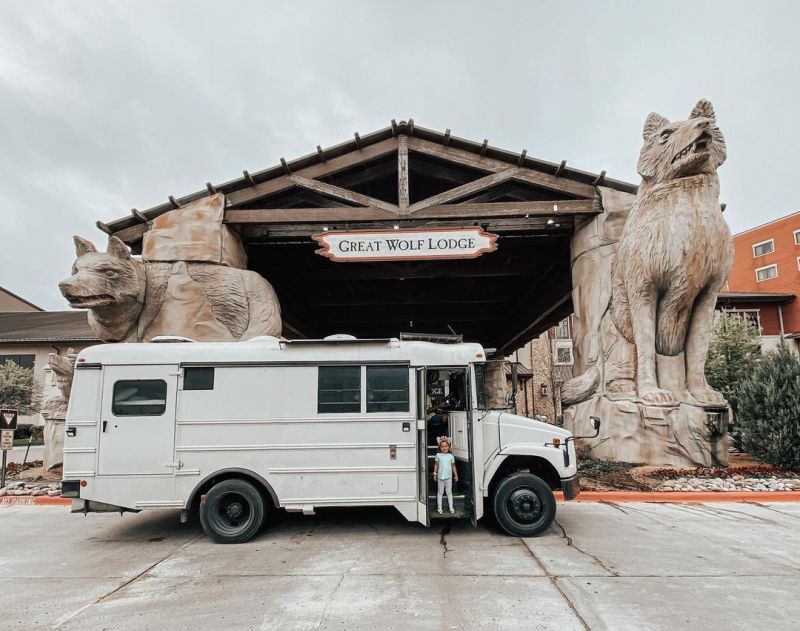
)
(18, 389)
(732, 355)
(769, 409)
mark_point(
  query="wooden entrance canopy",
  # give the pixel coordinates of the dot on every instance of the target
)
(409, 177)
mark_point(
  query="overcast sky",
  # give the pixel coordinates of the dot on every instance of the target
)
(105, 106)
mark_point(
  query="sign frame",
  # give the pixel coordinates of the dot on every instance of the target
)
(4, 415)
(475, 231)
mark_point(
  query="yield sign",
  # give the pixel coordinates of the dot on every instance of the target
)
(8, 419)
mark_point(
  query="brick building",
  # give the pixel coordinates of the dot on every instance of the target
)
(768, 261)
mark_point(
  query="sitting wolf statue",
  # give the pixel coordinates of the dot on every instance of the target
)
(131, 300)
(672, 259)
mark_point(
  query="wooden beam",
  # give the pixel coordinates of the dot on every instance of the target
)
(402, 174)
(139, 215)
(561, 168)
(464, 190)
(444, 211)
(342, 193)
(537, 178)
(322, 169)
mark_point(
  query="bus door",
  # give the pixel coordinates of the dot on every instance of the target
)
(422, 451)
(137, 420)
(475, 441)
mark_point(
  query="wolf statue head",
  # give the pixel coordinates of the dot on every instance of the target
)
(110, 284)
(679, 149)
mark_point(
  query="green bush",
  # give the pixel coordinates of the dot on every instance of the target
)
(26, 431)
(732, 355)
(769, 410)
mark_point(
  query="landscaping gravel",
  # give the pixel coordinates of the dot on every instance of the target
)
(52, 489)
(733, 483)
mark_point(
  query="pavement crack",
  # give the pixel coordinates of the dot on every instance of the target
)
(443, 539)
(130, 581)
(554, 582)
(613, 505)
(773, 509)
(328, 602)
(571, 544)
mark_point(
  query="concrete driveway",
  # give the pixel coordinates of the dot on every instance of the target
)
(604, 566)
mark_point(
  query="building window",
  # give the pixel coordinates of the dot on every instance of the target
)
(797, 237)
(765, 247)
(198, 378)
(765, 273)
(563, 330)
(24, 361)
(144, 397)
(387, 389)
(339, 389)
(562, 353)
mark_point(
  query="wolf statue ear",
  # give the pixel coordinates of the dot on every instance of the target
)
(117, 248)
(653, 124)
(82, 246)
(703, 109)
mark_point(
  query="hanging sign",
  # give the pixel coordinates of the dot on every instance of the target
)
(6, 439)
(406, 245)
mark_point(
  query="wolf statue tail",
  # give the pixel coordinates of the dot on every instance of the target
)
(580, 388)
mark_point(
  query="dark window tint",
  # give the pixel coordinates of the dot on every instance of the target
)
(25, 361)
(387, 389)
(140, 398)
(198, 378)
(480, 385)
(339, 389)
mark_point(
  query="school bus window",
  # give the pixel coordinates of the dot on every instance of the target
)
(200, 378)
(387, 389)
(339, 389)
(145, 397)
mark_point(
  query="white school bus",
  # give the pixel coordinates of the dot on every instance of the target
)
(235, 430)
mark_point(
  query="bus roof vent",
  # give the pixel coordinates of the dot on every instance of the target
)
(339, 336)
(170, 339)
(271, 341)
(437, 338)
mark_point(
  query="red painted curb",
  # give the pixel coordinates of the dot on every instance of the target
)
(684, 497)
(38, 500)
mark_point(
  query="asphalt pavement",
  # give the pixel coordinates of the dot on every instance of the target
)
(602, 566)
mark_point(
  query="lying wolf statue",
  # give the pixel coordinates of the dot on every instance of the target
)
(672, 259)
(130, 300)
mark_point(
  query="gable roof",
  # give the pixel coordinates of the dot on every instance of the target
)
(14, 296)
(246, 188)
(45, 326)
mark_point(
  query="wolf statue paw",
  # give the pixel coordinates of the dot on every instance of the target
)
(656, 396)
(706, 395)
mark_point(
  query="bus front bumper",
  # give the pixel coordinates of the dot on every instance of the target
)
(571, 487)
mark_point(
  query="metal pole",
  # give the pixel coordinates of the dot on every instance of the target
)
(3, 474)
(27, 449)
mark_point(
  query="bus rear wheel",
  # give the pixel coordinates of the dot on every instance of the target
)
(232, 511)
(524, 505)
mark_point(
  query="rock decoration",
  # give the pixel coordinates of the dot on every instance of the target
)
(646, 275)
(736, 483)
(190, 282)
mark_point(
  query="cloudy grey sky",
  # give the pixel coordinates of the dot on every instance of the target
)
(106, 105)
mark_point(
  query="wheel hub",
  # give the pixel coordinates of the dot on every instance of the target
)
(524, 506)
(234, 510)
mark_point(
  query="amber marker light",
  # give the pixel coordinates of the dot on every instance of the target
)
(556, 442)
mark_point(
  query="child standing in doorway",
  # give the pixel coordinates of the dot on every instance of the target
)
(444, 471)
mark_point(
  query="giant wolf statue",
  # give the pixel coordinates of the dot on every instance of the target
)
(131, 300)
(650, 325)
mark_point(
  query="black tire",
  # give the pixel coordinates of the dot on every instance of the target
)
(233, 511)
(524, 505)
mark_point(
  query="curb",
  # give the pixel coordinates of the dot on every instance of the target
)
(38, 500)
(695, 497)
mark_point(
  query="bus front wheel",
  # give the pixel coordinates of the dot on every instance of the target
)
(232, 511)
(524, 505)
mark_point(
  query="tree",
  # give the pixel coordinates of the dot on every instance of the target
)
(769, 409)
(18, 389)
(732, 355)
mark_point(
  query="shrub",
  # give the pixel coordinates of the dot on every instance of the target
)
(769, 409)
(732, 355)
(26, 431)
(18, 388)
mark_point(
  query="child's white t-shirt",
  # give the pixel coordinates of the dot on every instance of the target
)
(445, 465)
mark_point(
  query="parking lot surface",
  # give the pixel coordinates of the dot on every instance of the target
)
(601, 566)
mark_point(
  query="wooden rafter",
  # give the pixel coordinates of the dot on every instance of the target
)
(464, 190)
(337, 192)
(332, 166)
(402, 174)
(466, 158)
